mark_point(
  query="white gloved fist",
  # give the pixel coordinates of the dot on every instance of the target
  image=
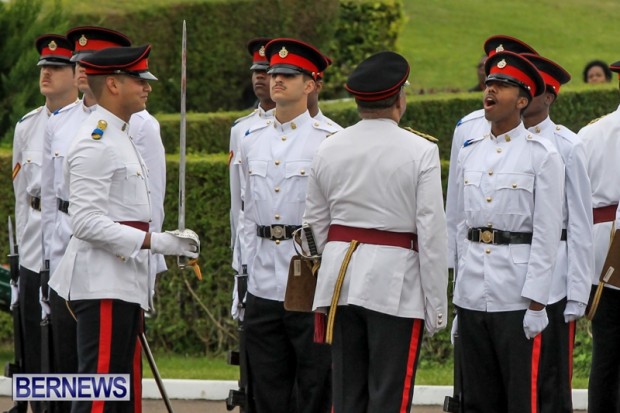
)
(574, 310)
(534, 322)
(454, 332)
(45, 306)
(181, 243)
(14, 295)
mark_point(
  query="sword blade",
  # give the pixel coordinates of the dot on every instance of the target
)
(11, 242)
(182, 133)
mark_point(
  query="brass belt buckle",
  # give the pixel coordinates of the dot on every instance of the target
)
(277, 232)
(487, 236)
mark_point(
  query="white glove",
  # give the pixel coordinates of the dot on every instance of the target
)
(455, 329)
(534, 322)
(45, 306)
(182, 243)
(237, 312)
(14, 294)
(574, 310)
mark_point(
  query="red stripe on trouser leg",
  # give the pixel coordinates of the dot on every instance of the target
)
(137, 377)
(535, 365)
(571, 345)
(105, 344)
(411, 362)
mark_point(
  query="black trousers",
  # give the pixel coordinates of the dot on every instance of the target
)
(107, 342)
(288, 372)
(556, 362)
(375, 357)
(29, 283)
(500, 365)
(604, 386)
(64, 343)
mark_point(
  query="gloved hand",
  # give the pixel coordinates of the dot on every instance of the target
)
(14, 294)
(534, 322)
(574, 310)
(45, 306)
(455, 329)
(237, 311)
(182, 243)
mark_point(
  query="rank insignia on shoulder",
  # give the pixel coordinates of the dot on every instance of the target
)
(596, 120)
(422, 134)
(98, 132)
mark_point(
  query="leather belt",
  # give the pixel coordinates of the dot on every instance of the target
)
(142, 226)
(276, 232)
(604, 214)
(498, 237)
(407, 240)
(564, 236)
(63, 206)
(35, 203)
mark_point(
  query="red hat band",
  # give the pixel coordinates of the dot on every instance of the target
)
(140, 66)
(551, 81)
(53, 50)
(259, 56)
(90, 45)
(285, 57)
(507, 70)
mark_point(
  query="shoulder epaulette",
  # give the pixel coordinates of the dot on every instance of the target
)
(245, 117)
(596, 120)
(325, 126)
(258, 125)
(98, 131)
(422, 134)
(477, 114)
(31, 113)
(473, 140)
(67, 107)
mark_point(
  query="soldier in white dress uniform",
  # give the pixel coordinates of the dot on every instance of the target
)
(574, 265)
(104, 274)
(510, 197)
(601, 140)
(276, 156)
(379, 185)
(56, 84)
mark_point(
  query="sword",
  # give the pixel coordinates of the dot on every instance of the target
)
(182, 261)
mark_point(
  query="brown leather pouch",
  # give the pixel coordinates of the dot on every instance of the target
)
(301, 285)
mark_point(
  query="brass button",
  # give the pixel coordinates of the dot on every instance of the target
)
(277, 163)
(529, 136)
(508, 139)
(277, 242)
(250, 172)
(316, 124)
(138, 173)
(499, 150)
(277, 189)
(466, 181)
(28, 160)
(489, 199)
(491, 172)
(303, 172)
(283, 138)
(55, 153)
(489, 225)
(269, 122)
(537, 129)
(514, 185)
(488, 250)
(293, 125)
(277, 216)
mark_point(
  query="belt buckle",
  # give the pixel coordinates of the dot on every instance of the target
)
(277, 232)
(487, 236)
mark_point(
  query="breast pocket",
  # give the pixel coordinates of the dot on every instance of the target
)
(134, 186)
(515, 193)
(296, 176)
(31, 165)
(257, 171)
(472, 193)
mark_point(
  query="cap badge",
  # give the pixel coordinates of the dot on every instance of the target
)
(98, 132)
(261, 51)
(83, 41)
(52, 45)
(283, 52)
(501, 64)
(499, 48)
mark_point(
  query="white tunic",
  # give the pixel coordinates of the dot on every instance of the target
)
(27, 146)
(512, 182)
(59, 135)
(601, 141)
(575, 260)
(379, 176)
(471, 126)
(276, 159)
(108, 184)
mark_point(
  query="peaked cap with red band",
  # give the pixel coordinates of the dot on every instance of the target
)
(501, 43)
(54, 50)
(378, 77)
(515, 69)
(256, 48)
(89, 39)
(615, 67)
(293, 57)
(552, 73)
(131, 61)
